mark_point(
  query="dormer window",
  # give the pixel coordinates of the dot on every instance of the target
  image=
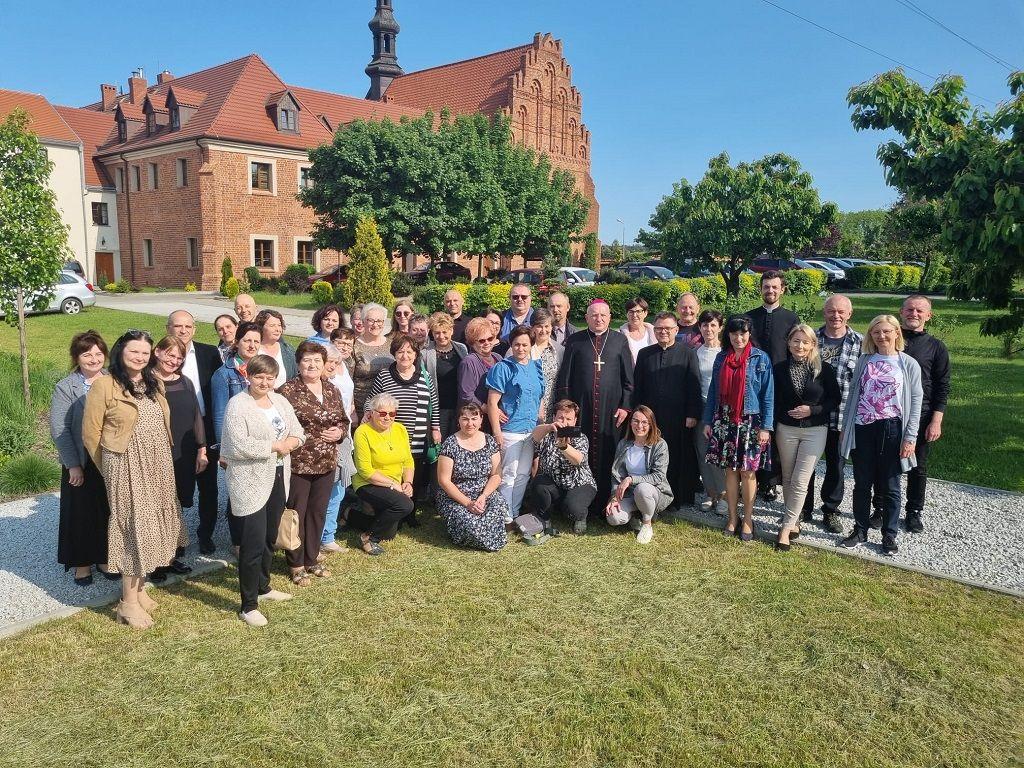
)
(283, 109)
(122, 131)
(151, 123)
(286, 119)
(175, 119)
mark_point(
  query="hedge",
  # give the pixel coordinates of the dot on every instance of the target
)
(885, 277)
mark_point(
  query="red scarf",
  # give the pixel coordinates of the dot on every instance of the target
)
(733, 383)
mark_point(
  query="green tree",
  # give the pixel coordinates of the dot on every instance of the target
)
(226, 273)
(737, 213)
(861, 232)
(369, 273)
(912, 232)
(33, 239)
(972, 163)
(591, 252)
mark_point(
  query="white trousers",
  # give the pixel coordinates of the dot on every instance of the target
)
(516, 458)
(798, 449)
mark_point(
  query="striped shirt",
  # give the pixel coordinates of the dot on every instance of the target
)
(415, 401)
(843, 361)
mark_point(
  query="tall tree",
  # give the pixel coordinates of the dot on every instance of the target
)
(591, 252)
(369, 274)
(912, 232)
(972, 162)
(33, 239)
(737, 213)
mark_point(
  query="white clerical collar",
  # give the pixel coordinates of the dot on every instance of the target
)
(602, 333)
(769, 310)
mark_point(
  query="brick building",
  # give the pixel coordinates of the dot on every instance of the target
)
(208, 165)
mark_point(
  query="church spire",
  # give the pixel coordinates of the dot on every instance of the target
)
(384, 66)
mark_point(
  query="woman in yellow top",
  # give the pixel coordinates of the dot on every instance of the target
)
(384, 472)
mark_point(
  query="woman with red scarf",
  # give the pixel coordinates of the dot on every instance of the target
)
(738, 416)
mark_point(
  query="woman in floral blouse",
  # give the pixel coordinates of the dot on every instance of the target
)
(321, 413)
(561, 474)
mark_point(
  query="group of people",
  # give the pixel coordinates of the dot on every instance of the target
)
(503, 420)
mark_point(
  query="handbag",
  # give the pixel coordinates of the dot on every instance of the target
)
(433, 449)
(288, 531)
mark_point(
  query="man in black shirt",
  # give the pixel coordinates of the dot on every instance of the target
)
(769, 326)
(453, 302)
(933, 357)
(667, 380)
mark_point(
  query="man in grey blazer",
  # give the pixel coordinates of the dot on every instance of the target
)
(561, 328)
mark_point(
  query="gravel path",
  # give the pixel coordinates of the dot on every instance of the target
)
(970, 533)
(987, 549)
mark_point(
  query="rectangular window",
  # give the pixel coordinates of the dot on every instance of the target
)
(175, 119)
(182, 167)
(305, 180)
(119, 180)
(263, 253)
(136, 178)
(154, 180)
(192, 250)
(147, 253)
(150, 123)
(99, 214)
(262, 177)
(287, 120)
(305, 253)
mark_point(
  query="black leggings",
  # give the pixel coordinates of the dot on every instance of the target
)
(257, 537)
(546, 495)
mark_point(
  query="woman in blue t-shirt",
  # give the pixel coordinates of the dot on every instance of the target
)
(515, 388)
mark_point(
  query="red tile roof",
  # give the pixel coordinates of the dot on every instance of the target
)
(232, 107)
(482, 84)
(94, 129)
(44, 120)
(339, 109)
(187, 97)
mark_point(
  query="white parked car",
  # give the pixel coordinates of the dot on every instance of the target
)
(834, 273)
(71, 294)
(577, 276)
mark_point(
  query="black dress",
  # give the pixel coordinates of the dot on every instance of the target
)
(188, 433)
(84, 512)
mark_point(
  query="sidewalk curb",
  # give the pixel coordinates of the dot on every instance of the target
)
(209, 565)
(769, 538)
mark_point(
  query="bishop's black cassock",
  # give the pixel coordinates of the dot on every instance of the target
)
(668, 382)
(599, 390)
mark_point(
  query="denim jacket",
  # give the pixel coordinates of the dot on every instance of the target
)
(760, 392)
(225, 383)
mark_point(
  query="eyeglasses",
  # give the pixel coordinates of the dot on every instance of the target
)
(386, 414)
(522, 297)
(374, 322)
(640, 422)
(486, 340)
(636, 311)
(663, 329)
(402, 314)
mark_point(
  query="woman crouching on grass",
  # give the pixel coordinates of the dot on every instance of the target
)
(640, 472)
(260, 431)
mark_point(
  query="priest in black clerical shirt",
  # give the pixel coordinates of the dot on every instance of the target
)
(597, 374)
(667, 380)
(770, 323)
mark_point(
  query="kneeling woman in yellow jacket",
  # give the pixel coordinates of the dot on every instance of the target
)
(126, 431)
(384, 472)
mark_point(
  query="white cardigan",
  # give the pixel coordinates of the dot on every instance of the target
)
(245, 447)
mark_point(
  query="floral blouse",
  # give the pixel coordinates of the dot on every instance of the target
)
(554, 464)
(316, 456)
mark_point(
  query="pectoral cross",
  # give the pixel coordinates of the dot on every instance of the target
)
(599, 362)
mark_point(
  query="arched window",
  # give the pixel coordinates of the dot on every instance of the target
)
(562, 116)
(538, 98)
(549, 71)
(572, 134)
(522, 124)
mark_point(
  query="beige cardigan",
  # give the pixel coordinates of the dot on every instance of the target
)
(246, 438)
(108, 420)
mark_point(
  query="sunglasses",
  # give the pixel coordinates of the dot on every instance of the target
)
(386, 414)
(403, 314)
(520, 298)
(486, 340)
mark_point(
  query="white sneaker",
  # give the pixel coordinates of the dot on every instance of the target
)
(635, 523)
(274, 595)
(646, 534)
(253, 618)
(331, 547)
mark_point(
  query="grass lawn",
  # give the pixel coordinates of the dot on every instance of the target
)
(290, 300)
(584, 652)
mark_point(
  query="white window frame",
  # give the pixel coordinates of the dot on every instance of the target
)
(152, 176)
(148, 259)
(298, 175)
(188, 253)
(249, 160)
(252, 251)
(295, 252)
(181, 171)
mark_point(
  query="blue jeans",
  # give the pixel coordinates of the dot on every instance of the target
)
(333, 507)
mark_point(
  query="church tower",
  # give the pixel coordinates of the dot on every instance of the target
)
(384, 66)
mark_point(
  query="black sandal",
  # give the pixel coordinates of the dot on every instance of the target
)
(370, 546)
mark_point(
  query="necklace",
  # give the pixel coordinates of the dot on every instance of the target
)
(598, 362)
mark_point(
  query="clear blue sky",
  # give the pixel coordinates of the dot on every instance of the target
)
(666, 85)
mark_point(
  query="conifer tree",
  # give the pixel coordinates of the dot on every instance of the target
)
(369, 275)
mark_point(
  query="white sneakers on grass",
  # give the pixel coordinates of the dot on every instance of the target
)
(646, 534)
(275, 595)
(253, 618)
